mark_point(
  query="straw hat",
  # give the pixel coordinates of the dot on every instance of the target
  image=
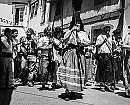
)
(107, 25)
(30, 30)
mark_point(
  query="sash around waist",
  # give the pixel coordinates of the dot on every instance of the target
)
(105, 54)
(6, 54)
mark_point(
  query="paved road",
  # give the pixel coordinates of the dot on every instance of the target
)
(92, 95)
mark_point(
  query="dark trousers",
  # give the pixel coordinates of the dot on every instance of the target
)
(105, 72)
(17, 66)
(51, 70)
(6, 71)
(118, 74)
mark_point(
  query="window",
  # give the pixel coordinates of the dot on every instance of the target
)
(96, 2)
(17, 16)
(58, 9)
(21, 14)
(34, 8)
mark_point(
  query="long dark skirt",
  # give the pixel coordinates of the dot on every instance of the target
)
(104, 72)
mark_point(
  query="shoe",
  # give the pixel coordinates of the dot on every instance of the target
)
(50, 87)
(102, 84)
(127, 92)
(30, 84)
(102, 89)
(109, 88)
(55, 86)
(18, 80)
(43, 87)
(67, 95)
(112, 88)
(12, 87)
(67, 99)
(116, 88)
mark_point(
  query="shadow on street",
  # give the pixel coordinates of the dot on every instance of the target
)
(5, 96)
(123, 94)
(78, 96)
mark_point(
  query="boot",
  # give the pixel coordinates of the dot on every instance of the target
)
(67, 95)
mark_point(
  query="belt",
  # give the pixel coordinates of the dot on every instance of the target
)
(104, 53)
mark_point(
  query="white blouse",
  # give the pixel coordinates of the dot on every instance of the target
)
(71, 36)
(105, 48)
(43, 42)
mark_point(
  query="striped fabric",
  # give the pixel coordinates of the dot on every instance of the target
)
(88, 75)
(70, 76)
(43, 63)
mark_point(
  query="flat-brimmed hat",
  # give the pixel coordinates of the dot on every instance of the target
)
(107, 25)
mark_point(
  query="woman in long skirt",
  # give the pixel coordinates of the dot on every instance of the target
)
(72, 68)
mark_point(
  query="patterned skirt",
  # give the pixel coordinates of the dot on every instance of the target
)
(71, 71)
(43, 63)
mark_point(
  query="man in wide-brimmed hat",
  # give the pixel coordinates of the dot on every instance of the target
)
(104, 50)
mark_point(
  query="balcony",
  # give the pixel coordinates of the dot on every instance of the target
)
(14, 1)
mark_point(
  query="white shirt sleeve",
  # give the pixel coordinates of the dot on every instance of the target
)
(39, 44)
(6, 44)
(99, 40)
(83, 37)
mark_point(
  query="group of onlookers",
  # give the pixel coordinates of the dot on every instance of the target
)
(65, 59)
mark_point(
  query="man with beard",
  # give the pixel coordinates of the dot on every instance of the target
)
(104, 45)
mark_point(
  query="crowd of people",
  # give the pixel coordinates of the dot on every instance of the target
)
(65, 59)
